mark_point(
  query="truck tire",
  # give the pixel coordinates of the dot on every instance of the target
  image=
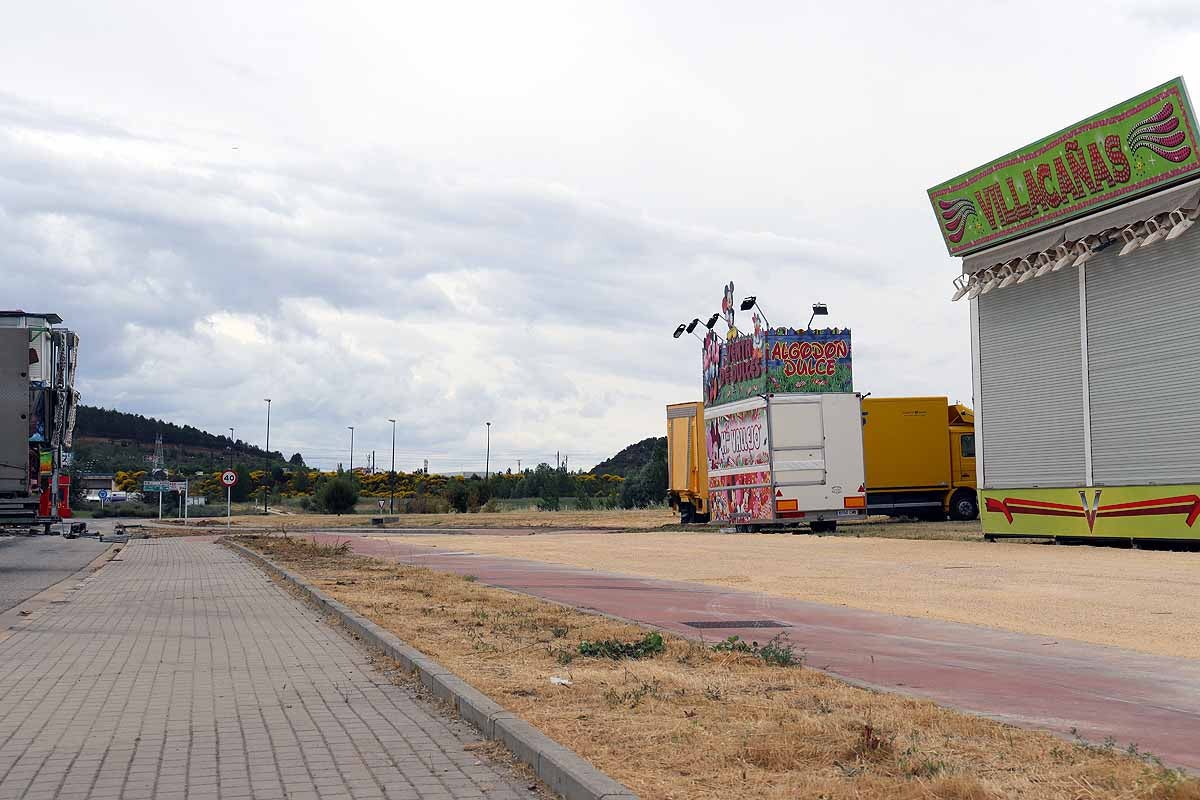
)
(823, 525)
(964, 506)
(687, 514)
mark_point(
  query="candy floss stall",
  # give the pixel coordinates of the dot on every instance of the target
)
(783, 426)
(1081, 266)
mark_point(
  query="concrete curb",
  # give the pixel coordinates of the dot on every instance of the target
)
(560, 768)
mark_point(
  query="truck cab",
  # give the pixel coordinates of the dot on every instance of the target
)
(920, 457)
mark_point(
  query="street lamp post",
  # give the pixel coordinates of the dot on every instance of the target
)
(351, 429)
(267, 400)
(487, 458)
(392, 477)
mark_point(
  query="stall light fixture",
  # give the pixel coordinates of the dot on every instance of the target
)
(1132, 241)
(692, 325)
(712, 321)
(1065, 256)
(679, 331)
(962, 286)
(1089, 247)
(1008, 276)
(1155, 232)
(993, 278)
(819, 310)
(1027, 269)
(977, 283)
(1182, 222)
(752, 301)
(1045, 262)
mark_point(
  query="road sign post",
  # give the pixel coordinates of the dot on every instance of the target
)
(230, 479)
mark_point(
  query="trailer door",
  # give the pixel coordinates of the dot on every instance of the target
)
(14, 410)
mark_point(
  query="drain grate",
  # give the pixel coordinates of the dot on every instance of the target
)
(737, 623)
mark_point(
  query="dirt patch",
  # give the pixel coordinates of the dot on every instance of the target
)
(1140, 600)
(687, 721)
(634, 519)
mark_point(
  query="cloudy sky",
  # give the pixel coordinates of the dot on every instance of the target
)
(449, 213)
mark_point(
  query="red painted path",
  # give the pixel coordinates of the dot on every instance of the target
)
(1032, 681)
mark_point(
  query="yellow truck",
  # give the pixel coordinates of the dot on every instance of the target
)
(919, 455)
(687, 462)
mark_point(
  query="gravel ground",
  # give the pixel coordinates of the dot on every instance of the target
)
(29, 564)
(1140, 600)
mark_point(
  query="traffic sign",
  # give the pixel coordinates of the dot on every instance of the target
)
(229, 478)
(156, 486)
(103, 494)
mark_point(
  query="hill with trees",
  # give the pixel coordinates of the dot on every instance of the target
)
(107, 440)
(631, 459)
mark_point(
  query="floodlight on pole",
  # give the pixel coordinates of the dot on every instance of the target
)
(392, 477)
(752, 302)
(712, 321)
(487, 457)
(818, 310)
(267, 458)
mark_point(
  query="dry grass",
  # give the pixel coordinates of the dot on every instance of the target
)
(1149, 596)
(692, 723)
(635, 519)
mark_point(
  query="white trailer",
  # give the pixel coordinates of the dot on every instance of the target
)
(781, 459)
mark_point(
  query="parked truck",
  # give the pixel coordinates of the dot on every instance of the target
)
(37, 419)
(918, 460)
(779, 459)
(687, 462)
(920, 457)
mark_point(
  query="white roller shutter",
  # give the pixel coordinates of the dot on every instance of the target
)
(1144, 363)
(1031, 372)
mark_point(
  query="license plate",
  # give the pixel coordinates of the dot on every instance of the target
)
(848, 513)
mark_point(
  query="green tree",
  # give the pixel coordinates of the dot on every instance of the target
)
(458, 496)
(241, 492)
(338, 496)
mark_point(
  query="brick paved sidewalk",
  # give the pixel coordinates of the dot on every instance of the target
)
(180, 671)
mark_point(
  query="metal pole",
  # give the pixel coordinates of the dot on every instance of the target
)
(392, 477)
(160, 503)
(487, 458)
(351, 427)
(232, 442)
(185, 501)
(268, 453)
(228, 507)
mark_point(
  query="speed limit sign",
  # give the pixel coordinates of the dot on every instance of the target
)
(229, 478)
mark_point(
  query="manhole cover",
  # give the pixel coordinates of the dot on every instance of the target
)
(737, 623)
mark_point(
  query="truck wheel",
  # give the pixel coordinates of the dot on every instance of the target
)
(964, 506)
(687, 514)
(823, 525)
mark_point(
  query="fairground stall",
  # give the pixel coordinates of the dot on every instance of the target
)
(1082, 272)
(783, 424)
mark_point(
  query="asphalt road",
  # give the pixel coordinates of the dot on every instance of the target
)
(29, 564)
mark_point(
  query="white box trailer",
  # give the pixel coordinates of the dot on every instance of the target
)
(781, 459)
